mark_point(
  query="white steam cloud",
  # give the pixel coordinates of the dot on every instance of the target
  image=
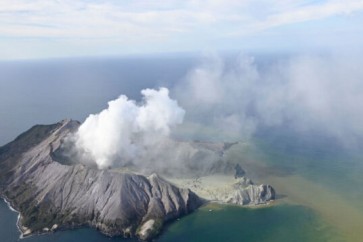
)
(124, 130)
(226, 100)
(235, 97)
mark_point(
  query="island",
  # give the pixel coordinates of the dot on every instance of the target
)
(50, 194)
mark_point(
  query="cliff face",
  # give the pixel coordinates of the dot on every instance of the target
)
(244, 192)
(50, 195)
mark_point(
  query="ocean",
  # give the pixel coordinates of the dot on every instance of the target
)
(210, 223)
(318, 182)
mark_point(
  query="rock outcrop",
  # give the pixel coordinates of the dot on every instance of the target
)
(49, 194)
(246, 193)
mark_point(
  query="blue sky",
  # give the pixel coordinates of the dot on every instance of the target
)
(43, 29)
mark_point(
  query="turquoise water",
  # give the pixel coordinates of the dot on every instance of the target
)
(322, 161)
(210, 223)
(315, 173)
(9, 232)
(234, 224)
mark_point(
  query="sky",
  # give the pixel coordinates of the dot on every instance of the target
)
(33, 29)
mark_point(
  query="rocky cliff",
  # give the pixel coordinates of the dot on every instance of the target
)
(244, 192)
(50, 195)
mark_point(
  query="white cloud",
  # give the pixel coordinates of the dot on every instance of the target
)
(134, 23)
(309, 13)
(108, 19)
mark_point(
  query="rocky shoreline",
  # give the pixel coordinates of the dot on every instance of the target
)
(16, 211)
(24, 231)
(50, 196)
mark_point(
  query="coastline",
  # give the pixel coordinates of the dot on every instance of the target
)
(22, 233)
(212, 189)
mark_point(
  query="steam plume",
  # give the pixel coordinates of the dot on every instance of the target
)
(123, 130)
(226, 101)
(307, 93)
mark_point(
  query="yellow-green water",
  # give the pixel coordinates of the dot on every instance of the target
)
(333, 208)
(331, 188)
(233, 224)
